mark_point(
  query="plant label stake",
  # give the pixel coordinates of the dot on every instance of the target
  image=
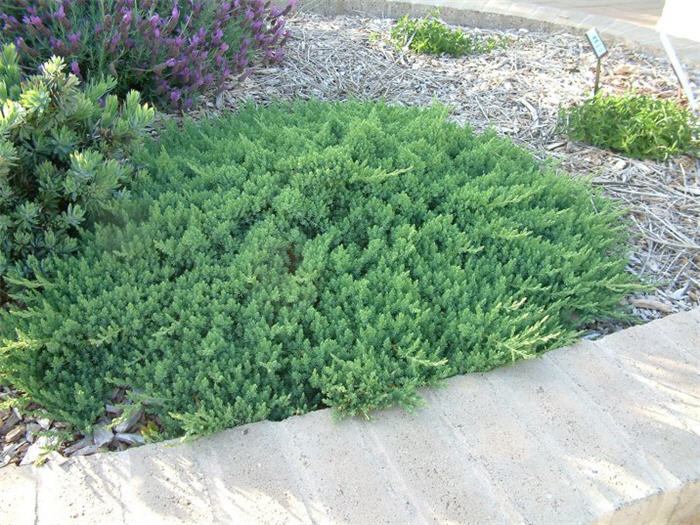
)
(600, 51)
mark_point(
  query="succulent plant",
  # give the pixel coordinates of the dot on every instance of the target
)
(63, 158)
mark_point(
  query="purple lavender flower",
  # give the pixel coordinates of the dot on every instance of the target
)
(170, 50)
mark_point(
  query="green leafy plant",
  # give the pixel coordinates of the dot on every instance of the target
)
(63, 159)
(310, 254)
(635, 125)
(430, 35)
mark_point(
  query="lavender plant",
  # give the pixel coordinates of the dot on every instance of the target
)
(170, 50)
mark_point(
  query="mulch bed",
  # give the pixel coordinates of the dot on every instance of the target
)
(517, 91)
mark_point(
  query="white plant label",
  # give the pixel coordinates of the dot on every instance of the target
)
(596, 42)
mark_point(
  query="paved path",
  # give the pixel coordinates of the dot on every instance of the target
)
(563, 439)
(630, 21)
(645, 13)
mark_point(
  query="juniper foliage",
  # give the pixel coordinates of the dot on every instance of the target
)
(312, 254)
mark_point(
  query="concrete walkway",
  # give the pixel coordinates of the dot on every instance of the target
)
(633, 22)
(565, 439)
(645, 13)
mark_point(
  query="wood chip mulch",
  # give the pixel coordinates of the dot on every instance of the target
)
(517, 91)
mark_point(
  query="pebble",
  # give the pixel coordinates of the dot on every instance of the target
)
(37, 449)
(8, 454)
(678, 294)
(32, 430)
(652, 304)
(87, 451)
(85, 442)
(56, 458)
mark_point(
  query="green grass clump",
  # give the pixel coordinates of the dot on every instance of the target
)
(635, 125)
(310, 254)
(430, 35)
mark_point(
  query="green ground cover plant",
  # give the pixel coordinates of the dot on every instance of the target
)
(636, 125)
(64, 159)
(432, 36)
(309, 254)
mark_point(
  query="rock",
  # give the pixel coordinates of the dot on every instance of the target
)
(87, 451)
(620, 165)
(128, 424)
(102, 435)
(32, 430)
(23, 446)
(111, 409)
(9, 423)
(131, 439)
(84, 442)
(37, 450)
(15, 434)
(45, 423)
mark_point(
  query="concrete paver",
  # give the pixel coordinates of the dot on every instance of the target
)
(63, 492)
(450, 487)
(562, 420)
(645, 13)
(247, 473)
(602, 431)
(639, 412)
(329, 457)
(515, 461)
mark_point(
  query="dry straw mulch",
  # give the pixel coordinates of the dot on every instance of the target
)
(518, 91)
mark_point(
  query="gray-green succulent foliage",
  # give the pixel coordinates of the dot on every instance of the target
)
(64, 152)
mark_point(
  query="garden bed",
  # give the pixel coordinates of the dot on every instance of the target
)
(516, 90)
